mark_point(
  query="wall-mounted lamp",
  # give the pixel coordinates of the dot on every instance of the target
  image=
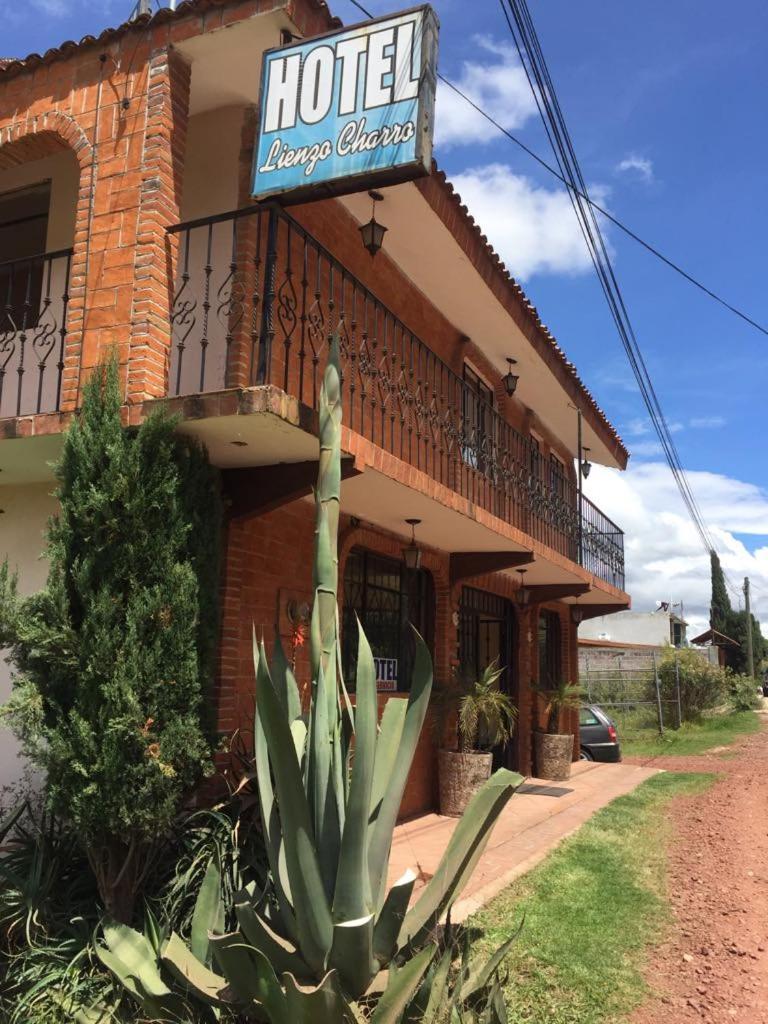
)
(412, 553)
(586, 465)
(511, 378)
(523, 595)
(373, 233)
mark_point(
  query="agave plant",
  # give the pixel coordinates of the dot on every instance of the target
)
(325, 932)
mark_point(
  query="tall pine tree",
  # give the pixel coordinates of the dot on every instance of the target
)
(720, 608)
(115, 657)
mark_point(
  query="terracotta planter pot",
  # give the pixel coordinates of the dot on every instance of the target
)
(461, 775)
(554, 754)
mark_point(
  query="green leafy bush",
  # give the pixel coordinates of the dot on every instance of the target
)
(742, 692)
(702, 686)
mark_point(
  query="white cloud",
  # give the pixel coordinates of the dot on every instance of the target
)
(637, 165)
(707, 422)
(665, 556)
(497, 83)
(533, 229)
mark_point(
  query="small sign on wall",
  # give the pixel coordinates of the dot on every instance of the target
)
(386, 673)
(349, 109)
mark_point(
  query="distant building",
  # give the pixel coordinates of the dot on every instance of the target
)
(627, 637)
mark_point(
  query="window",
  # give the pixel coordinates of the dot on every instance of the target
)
(586, 717)
(387, 598)
(23, 238)
(549, 648)
(557, 478)
(477, 413)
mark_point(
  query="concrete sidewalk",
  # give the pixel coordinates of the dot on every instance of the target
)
(536, 819)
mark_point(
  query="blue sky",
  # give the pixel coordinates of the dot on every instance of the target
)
(666, 107)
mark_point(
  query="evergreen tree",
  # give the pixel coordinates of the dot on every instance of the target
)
(720, 607)
(736, 629)
(115, 656)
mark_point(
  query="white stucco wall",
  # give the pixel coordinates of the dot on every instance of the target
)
(628, 627)
(25, 513)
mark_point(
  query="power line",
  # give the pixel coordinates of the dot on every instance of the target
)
(537, 72)
(595, 206)
(532, 60)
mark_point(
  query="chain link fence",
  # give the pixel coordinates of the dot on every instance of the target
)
(629, 690)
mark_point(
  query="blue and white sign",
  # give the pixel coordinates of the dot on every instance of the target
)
(348, 109)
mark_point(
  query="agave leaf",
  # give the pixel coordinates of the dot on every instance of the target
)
(317, 1004)
(269, 814)
(387, 747)
(433, 994)
(193, 975)
(381, 837)
(402, 985)
(208, 914)
(464, 848)
(256, 931)
(352, 898)
(310, 904)
(285, 682)
(299, 733)
(322, 796)
(136, 957)
(479, 973)
(352, 955)
(391, 916)
(251, 976)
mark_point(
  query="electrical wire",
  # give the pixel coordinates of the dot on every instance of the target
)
(595, 206)
(531, 56)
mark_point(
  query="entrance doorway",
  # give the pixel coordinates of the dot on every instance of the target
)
(486, 633)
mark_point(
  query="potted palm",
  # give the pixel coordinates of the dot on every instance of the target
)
(485, 717)
(554, 749)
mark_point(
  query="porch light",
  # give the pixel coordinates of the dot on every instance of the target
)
(511, 378)
(373, 233)
(577, 614)
(523, 595)
(586, 465)
(412, 553)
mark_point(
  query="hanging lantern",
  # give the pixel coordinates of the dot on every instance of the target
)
(412, 553)
(511, 378)
(373, 233)
(586, 465)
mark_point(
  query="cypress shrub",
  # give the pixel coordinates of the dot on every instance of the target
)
(115, 657)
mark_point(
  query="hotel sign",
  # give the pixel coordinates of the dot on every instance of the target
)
(348, 110)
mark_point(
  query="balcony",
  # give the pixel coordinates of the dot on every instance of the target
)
(257, 301)
(33, 314)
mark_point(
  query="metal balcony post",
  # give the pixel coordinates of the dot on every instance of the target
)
(267, 312)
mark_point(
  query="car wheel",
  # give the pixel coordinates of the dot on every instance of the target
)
(584, 755)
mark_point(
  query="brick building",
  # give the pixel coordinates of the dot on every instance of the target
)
(125, 220)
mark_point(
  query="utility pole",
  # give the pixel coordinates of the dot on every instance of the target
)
(750, 655)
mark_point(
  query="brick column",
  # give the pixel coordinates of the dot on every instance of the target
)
(159, 207)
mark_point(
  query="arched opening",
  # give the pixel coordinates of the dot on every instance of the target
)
(39, 183)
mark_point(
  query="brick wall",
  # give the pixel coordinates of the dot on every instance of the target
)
(269, 560)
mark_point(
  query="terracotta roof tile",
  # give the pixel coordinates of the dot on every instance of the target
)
(15, 65)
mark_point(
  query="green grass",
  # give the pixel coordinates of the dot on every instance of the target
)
(691, 738)
(591, 910)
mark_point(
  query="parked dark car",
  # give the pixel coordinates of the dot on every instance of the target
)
(598, 738)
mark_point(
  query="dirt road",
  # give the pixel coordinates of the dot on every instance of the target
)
(714, 964)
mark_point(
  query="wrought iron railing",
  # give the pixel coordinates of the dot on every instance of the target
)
(602, 545)
(258, 299)
(34, 294)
